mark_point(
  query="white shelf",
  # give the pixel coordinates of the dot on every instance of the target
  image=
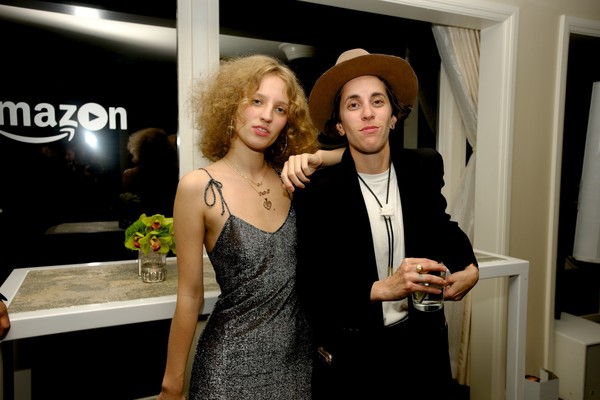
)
(577, 357)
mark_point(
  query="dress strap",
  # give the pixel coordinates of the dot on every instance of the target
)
(209, 190)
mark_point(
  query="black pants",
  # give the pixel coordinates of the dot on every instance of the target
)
(409, 360)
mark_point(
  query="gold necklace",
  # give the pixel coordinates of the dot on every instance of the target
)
(240, 173)
(266, 203)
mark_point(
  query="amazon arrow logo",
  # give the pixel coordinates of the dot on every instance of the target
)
(91, 116)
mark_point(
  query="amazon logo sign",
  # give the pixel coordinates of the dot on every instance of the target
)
(67, 117)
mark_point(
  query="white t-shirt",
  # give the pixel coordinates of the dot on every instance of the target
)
(393, 311)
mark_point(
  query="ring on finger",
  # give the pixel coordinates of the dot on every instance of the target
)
(419, 269)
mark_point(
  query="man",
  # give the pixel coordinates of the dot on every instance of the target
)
(371, 230)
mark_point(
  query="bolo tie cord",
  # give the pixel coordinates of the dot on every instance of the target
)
(387, 219)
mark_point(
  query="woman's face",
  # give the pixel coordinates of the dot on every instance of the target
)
(266, 115)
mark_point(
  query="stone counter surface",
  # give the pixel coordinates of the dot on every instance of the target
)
(67, 298)
(44, 289)
(50, 288)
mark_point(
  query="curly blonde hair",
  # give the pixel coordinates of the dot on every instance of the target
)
(218, 103)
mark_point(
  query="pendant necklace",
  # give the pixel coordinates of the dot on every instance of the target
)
(262, 193)
(386, 212)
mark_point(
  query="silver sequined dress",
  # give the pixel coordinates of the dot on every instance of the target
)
(256, 341)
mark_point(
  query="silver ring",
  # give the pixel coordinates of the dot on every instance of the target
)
(419, 269)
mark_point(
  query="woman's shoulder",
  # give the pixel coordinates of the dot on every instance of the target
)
(203, 176)
(195, 179)
(195, 175)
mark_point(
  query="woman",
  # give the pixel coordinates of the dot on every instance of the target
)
(253, 115)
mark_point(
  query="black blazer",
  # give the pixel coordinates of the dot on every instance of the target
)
(336, 259)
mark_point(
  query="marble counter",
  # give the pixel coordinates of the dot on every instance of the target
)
(49, 288)
(55, 299)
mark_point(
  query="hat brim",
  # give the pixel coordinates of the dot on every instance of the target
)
(394, 70)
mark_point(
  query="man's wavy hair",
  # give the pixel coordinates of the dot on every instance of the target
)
(218, 104)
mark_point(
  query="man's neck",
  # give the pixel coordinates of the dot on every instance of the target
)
(375, 163)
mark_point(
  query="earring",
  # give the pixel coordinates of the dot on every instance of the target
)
(230, 129)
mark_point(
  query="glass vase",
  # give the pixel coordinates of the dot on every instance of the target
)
(152, 266)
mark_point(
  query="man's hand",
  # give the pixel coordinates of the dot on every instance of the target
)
(4, 320)
(461, 282)
(298, 168)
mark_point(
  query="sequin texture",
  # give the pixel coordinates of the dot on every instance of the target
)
(256, 341)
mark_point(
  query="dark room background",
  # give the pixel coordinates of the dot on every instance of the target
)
(61, 196)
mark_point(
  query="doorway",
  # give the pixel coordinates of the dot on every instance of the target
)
(577, 281)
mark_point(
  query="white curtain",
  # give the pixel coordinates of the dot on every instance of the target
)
(459, 52)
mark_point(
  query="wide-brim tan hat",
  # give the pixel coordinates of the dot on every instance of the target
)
(358, 62)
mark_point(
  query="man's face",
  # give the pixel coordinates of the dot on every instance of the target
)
(365, 114)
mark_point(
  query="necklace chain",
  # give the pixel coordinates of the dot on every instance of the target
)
(240, 173)
(386, 217)
(262, 193)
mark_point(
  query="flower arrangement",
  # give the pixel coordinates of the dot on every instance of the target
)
(154, 233)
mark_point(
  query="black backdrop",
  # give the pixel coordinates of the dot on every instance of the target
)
(54, 67)
(40, 189)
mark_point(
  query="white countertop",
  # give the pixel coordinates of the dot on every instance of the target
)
(66, 298)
